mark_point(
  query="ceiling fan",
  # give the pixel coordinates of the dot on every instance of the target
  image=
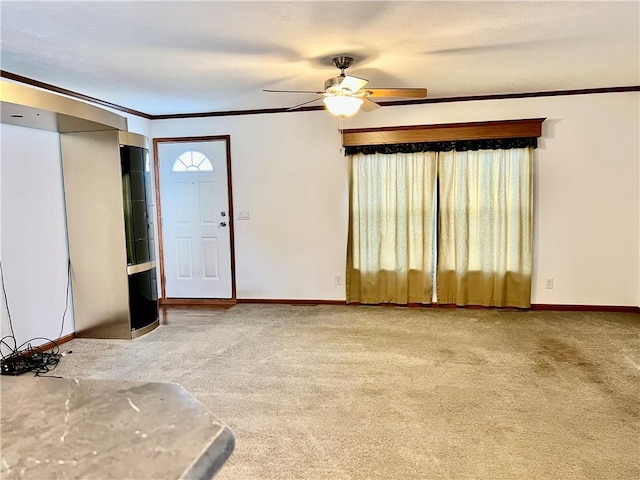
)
(344, 95)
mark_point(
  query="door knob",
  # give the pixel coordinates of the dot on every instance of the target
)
(223, 224)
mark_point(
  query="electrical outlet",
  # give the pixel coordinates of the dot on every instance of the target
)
(548, 283)
(338, 279)
(243, 215)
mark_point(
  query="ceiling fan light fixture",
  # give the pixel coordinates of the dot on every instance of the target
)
(342, 105)
(345, 95)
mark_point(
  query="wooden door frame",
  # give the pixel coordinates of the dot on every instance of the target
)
(156, 165)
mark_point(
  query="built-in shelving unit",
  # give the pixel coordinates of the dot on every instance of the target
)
(109, 226)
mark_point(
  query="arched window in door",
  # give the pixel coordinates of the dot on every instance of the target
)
(192, 161)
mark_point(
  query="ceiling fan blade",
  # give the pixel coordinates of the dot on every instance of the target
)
(397, 92)
(369, 105)
(353, 84)
(294, 91)
(303, 103)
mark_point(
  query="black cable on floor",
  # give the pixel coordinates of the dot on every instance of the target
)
(26, 358)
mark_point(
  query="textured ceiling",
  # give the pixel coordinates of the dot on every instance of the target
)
(163, 57)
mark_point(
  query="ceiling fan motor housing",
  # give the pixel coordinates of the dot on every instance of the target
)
(336, 85)
(343, 62)
(333, 84)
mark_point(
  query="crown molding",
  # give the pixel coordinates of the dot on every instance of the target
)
(70, 93)
(229, 113)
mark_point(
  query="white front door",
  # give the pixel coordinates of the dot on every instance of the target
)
(196, 240)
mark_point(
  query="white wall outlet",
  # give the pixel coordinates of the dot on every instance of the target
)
(338, 279)
(548, 283)
(243, 214)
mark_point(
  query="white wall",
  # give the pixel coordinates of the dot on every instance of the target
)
(34, 249)
(289, 173)
(138, 125)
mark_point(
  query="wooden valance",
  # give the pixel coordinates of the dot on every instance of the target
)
(451, 132)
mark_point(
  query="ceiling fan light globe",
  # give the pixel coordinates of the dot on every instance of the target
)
(342, 105)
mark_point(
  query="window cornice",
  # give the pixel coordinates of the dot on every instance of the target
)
(448, 132)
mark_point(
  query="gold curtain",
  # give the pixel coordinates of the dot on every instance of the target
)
(391, 228)
(485, 227)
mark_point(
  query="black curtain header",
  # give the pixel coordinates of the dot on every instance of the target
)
(458, 145)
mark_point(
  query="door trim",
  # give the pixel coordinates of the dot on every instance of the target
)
(156, 166)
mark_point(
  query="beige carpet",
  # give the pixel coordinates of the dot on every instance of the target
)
(340, 392)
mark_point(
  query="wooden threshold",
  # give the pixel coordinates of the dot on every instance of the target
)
(197, 302)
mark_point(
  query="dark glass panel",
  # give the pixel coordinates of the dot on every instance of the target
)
(139, 212)
(125, 159)
(137, 185)
(137, 158)
(126, 200)
(143, 299)
(137, 200)
(142, 251)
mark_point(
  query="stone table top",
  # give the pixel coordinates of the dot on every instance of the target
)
(102, 429)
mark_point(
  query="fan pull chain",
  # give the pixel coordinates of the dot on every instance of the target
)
(341, 121)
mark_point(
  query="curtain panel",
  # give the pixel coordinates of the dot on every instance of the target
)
(484, 214)
(485, 239)
(391, 228)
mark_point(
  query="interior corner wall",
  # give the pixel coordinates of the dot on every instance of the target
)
(33, 249)
(289, 173)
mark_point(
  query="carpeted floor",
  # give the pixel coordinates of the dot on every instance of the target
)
(343, 392)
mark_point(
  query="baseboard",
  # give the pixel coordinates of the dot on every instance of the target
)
(285, 301)
(535, 306)
(551, 307)
(49, 345)
(586, 308)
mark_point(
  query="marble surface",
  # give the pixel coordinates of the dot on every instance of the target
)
(99, 429)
